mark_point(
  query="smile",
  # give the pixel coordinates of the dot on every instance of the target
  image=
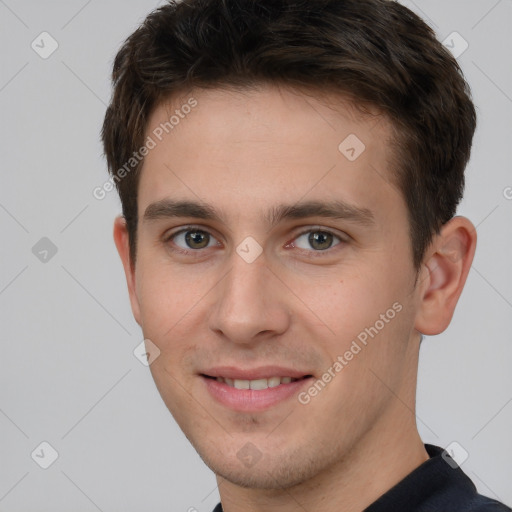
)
(253, 395)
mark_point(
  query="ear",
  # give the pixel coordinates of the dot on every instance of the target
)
(444, 274)
(122, 241)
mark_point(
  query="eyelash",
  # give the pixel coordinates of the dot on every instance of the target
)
(196, 252)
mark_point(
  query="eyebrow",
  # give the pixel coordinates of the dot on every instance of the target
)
(169, 208)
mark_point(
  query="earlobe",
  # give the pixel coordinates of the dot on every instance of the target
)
(447, 266)
(122, 241)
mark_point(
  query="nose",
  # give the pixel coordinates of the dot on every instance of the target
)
(250, 303)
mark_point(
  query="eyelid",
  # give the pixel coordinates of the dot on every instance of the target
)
(343, 236)
(189, 227)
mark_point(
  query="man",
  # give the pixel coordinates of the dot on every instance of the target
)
(289, 174)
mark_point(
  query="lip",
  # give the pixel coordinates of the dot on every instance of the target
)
(262, 372)
(250, 400)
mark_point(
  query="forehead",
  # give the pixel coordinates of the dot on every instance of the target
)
(242, 150)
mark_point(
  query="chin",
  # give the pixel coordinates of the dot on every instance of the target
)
(277, 472)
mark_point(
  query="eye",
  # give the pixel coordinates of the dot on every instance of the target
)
(318, 239)
(192, 238)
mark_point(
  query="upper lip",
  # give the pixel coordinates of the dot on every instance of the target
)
(262, 372)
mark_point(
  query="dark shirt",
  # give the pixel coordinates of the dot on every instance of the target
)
(437, 485)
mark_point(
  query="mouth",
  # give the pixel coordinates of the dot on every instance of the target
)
(256, 390)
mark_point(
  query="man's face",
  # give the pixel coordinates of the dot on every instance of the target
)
(322, 288)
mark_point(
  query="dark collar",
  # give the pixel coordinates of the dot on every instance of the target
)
(434, 485)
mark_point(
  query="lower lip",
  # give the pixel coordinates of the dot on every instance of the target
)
(250, 400)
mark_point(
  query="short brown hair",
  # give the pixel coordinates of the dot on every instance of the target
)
(376, 51)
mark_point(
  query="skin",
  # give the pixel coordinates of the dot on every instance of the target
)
(295, 305)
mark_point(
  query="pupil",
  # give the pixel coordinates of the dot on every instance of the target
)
(196, 237)
(318, 238)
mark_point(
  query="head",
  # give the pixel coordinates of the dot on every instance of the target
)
(316, 153)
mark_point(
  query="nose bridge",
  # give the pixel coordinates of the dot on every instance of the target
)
(245, 287)
(248, 302)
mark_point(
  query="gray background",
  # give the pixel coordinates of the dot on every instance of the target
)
(68, 375)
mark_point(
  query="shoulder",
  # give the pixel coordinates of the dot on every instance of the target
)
(458, 491)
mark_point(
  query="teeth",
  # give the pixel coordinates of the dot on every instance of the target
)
(256, 384)
(242, 384)
(274, 381)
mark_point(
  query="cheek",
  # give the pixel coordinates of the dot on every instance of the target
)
(348, 302)
(369, 316)
(166, 295)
